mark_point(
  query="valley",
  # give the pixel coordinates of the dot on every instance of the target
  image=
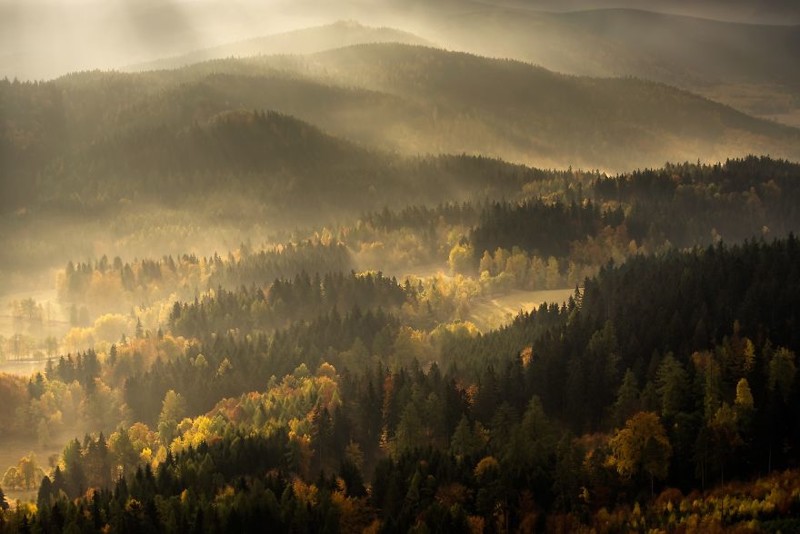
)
(399, 266)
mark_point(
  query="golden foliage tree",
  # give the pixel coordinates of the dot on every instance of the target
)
(642, 447)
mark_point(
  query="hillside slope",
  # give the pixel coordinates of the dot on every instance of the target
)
(410, 99)
(529, 114)
(753, 67)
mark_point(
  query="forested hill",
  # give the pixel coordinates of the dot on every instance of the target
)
(266, 153)
(476, 267)
(527, 113)
(743, 64)
(682, 205)
(637, 41)
(682, 335)
(747, 60)
(66, 148)
(406, 98)
(667, 374)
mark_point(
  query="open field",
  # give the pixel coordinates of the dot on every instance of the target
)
(492, 312)
(13, 449)
(22, 368)
(31, 343)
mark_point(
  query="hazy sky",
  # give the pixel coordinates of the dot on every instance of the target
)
(46, 38)
(42, 39)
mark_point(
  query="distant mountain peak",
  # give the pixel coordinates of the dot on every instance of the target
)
(298, 41)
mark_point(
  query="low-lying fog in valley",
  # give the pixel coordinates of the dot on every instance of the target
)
(399, 265)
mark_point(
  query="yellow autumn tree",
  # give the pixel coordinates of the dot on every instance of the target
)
(642, 447)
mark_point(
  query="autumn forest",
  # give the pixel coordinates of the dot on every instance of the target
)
(502, 266)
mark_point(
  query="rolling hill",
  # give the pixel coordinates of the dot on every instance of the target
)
(303, 41)
(748, 60)
(753, 67)
(529, 114)
(199, 262)
(409, 99)
(749, 11)
(296, 172)
(416, 100)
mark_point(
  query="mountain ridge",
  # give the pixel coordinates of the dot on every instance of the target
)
(298, 41)
(417, 100)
